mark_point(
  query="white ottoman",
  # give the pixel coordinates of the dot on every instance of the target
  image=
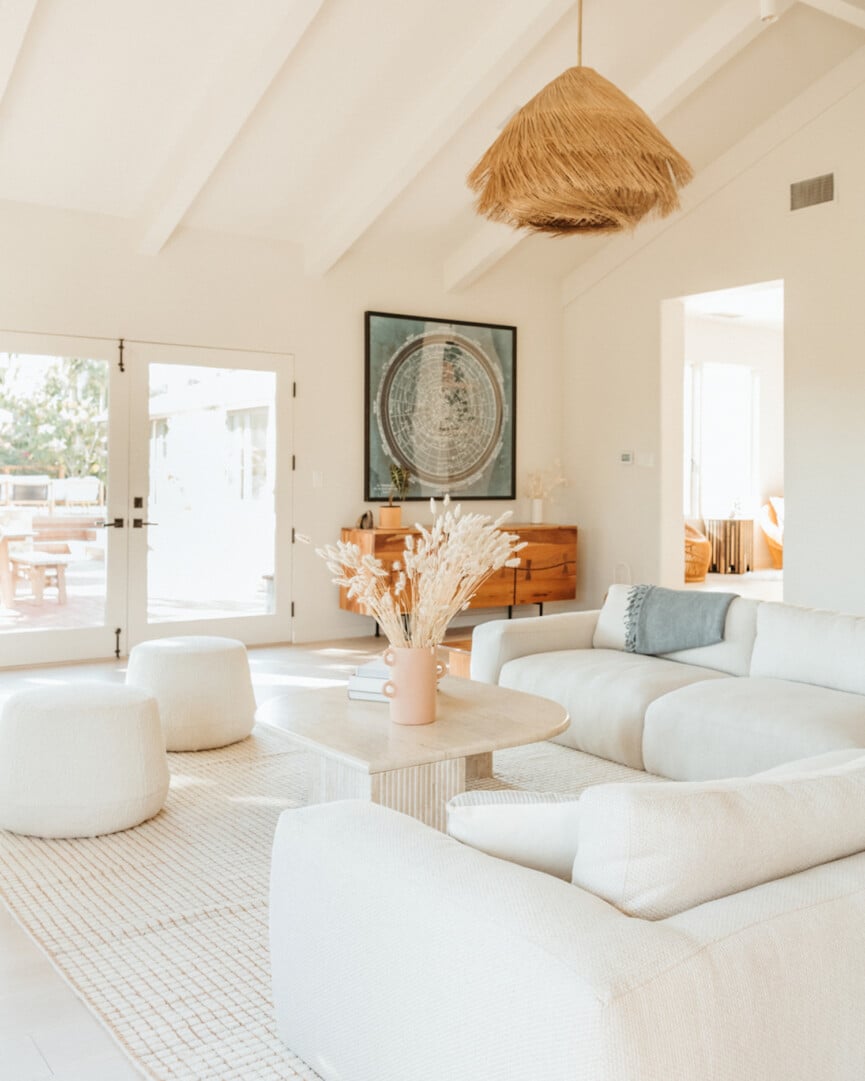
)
(80, 760)
(203, 688)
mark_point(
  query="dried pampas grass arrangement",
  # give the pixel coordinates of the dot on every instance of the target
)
(580, 157)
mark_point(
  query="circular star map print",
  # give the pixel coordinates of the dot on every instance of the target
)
(441, 409)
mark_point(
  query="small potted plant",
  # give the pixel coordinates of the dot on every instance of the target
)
(390, 515)
(541, 486)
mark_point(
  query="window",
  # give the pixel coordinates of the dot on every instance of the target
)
(248, 463)
(721, 411)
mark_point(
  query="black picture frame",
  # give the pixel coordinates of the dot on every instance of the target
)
(440, 402)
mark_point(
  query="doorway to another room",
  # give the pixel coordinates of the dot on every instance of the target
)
(730, 363)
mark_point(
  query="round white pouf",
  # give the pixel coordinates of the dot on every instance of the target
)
(80, 760)
(203, 688)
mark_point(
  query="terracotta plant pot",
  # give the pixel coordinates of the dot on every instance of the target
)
(390, 517)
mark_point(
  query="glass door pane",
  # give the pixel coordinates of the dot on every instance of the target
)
(62, 574)
(211, 493)
(727, 446)
(205, 469)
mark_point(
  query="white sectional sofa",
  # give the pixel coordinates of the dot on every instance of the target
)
(696, 930)
(785, 683)
(399, 954)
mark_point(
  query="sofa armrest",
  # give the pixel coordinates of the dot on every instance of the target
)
(400, 955)
(502, 640)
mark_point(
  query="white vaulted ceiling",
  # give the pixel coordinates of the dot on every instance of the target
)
(319, 122)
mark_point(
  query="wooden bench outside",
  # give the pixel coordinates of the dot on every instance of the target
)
(42, 570)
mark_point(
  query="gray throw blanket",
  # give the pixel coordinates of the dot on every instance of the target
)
(661, 620)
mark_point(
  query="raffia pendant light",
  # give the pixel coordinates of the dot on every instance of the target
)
(580, 157)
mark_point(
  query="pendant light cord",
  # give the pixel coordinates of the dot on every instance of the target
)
(579, 33)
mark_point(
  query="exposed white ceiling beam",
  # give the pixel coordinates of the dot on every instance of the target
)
(222, 114)
(488, 243)
(841, 10)
(406, 148)
(15, 16)
(696, 59)
(676, 77)
(756, 145)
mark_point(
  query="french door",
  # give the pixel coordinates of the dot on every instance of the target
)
(144, 491)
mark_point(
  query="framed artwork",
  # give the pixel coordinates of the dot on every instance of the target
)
(440, 403)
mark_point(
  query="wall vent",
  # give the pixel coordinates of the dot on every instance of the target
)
(817, 189)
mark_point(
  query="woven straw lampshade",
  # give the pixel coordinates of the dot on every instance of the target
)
(580, 157)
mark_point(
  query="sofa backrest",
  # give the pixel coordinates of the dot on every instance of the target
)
(732, 656)
(810, 646)
(653, 850)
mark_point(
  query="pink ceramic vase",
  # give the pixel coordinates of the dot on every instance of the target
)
(412, 687)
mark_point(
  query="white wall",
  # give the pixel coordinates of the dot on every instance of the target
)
(760, 347)
(75, 274)
(742, 233)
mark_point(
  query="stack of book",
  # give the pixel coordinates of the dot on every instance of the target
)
(367, 682)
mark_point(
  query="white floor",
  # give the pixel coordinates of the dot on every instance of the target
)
(46, 1032)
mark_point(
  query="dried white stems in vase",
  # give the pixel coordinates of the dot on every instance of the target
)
(440, 572)
(543, 482)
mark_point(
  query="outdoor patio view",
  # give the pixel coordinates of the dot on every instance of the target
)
(208, 517)
(53, 466)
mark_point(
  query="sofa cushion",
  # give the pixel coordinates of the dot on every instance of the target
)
(655, 850)
(819, 761)
(736, 727)
(732, 656)
(610, 628)
(605, 692)
(535, 829)
(809, 646)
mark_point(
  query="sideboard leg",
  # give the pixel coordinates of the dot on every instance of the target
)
(540, 608)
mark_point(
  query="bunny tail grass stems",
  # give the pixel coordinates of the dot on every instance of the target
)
(440, 572)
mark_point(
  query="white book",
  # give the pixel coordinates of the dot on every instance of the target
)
(367, 696)
(374, 669)
(367, 683)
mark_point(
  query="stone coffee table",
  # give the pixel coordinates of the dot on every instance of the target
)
(358, 753)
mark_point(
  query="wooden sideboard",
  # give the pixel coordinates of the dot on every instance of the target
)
(547, 570)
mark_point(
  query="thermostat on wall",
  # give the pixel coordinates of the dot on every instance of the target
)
(626, 457)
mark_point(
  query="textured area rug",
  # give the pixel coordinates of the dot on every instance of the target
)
(162, 929)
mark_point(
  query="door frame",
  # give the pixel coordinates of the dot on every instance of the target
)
(128, 410)
(43, 646)
(251, 629)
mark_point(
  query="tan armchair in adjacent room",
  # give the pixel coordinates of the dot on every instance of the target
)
(772, 523)
(698, 552)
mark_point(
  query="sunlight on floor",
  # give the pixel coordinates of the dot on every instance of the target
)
(767, 585)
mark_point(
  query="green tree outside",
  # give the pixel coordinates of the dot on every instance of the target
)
(53, 416)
